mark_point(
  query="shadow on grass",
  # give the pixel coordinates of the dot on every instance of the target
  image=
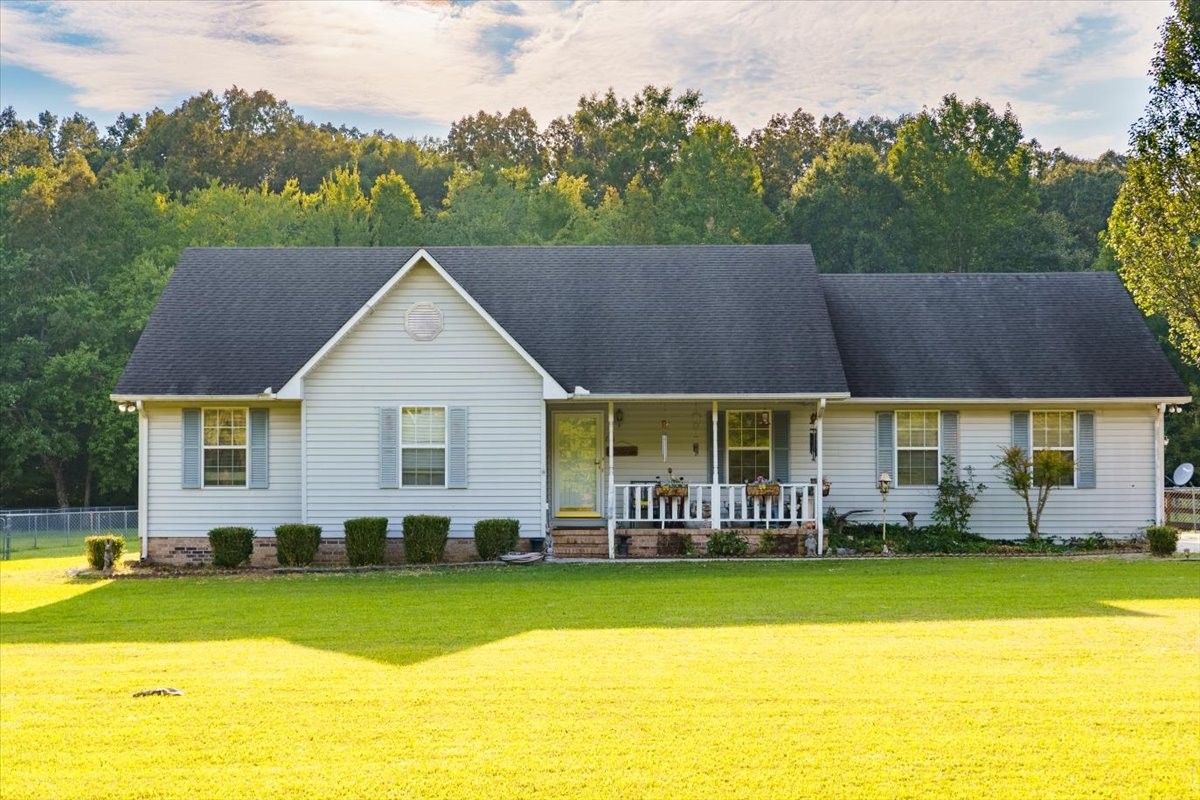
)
(406, 617)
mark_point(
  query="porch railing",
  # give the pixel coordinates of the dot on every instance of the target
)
(639, 503)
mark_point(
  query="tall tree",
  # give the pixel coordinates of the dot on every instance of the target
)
(1155, 225)
(965, 177)
(395, 212)
(784, 149)
(497, 140)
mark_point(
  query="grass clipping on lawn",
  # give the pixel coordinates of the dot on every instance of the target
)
(918, 678)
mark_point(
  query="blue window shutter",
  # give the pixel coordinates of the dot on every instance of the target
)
(720, 442)
(1085, 450)
(950, 439)
(389, 448)
(456, 448)
(259, 449)
(1022, 436)
(190, 465)
(885, 444)
(781, 435)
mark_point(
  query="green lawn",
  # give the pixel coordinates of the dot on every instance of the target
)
(916, 678)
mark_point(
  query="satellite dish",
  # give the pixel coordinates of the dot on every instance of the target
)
(1183, 474)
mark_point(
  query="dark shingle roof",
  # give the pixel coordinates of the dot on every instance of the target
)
(995, 336)
(615, 320)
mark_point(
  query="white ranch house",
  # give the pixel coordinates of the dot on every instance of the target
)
(565, 387)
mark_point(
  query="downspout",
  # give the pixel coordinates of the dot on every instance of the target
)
(303, 455)
(143, 519)
(1159, 465)
(715, 506)
(819, 491)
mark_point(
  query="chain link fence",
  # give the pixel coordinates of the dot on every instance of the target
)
(46, 532)
(1182, 508)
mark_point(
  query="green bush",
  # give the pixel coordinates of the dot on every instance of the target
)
(296, 545)
(366, 540)
(93, 547)
(779, 544)
(1163, 539)
(425, 538)
(495, 536)
(231, 546)
(676, 544)
(727, 543)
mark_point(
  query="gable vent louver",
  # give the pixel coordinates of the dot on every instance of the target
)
(423, 322)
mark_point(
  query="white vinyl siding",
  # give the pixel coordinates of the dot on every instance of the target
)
(468, 365)
(187, 512)
(1121, 503)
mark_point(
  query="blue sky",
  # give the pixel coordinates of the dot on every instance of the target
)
(1074, 72)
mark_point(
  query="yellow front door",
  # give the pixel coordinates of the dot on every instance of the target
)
(578, 445)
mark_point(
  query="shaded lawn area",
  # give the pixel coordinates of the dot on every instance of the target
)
(887, 678)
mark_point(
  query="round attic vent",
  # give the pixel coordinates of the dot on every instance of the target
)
(423, 322)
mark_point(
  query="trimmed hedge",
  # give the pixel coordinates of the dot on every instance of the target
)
(93, 548)
(425, 538)
(296, 545)
(496, 536)
(1163, 539)
(231, 546)
(727, 543)
(366, 540)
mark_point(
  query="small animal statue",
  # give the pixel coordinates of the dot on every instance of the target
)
(161, 691)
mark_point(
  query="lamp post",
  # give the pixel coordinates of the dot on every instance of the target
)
(885, 485)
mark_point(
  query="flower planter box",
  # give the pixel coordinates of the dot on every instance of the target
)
(670, 491)
(762, 490)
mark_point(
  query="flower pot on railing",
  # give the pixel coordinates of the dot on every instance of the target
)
(762, 490)
(826, 485)
(670, 491)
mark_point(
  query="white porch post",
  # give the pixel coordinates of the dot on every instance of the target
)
(143, 516)
(715, 504)
(819, 491)
(1160, 467)
(612, 490)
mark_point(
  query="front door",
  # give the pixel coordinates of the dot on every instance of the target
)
(578, 445)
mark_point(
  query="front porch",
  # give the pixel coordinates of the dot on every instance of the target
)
(623, 473)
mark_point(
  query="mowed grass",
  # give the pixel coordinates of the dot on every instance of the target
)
(922, 678)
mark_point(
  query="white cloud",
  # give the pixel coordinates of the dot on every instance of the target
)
(749, 59)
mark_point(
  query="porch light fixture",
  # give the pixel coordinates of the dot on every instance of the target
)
(126, 407)
(885, 486)
(619, 417)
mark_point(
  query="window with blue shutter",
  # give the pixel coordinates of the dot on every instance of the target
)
(885, 444)
(1085, 462)
(781, 435)
(1021, 436)
(950, 439)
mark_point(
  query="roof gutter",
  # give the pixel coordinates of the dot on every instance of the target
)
(582, 394)
(1180, 400)
(184, 398)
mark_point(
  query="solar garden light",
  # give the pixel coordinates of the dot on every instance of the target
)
(885, 486)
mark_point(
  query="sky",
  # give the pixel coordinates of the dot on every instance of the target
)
(1075, 73)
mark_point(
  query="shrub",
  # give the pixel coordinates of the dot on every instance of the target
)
(727, 543)
(296, 545)
(366, 540)
(676, 544)
(494, 536)
(93, 547)
(425, 538)
(955, 496)
(231, 546)
(779, 544)
(1163, 539)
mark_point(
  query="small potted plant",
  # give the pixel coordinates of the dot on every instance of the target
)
(826, 485)
(762, 487)
(671, 487)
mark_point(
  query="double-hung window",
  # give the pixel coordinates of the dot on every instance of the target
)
(423, 446)
(916, 448)
(1055, 430)
(748, 441)
(224, 445)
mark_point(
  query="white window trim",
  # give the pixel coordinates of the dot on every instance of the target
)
(1073, 449)
(445, 408)
(770, 448)
(896, 448)
(204, 447)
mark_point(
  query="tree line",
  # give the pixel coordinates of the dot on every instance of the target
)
(93, 221)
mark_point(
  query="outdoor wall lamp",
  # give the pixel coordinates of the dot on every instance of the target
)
(126, 407)
(619, 417)
(885, 486)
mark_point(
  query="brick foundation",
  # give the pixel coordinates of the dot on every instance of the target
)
(644, 542)
(193, 551)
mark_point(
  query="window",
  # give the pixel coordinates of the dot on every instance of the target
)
(748, 441)
(224, 447)
(1055, 430)
(916, 448)
(422, 446)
